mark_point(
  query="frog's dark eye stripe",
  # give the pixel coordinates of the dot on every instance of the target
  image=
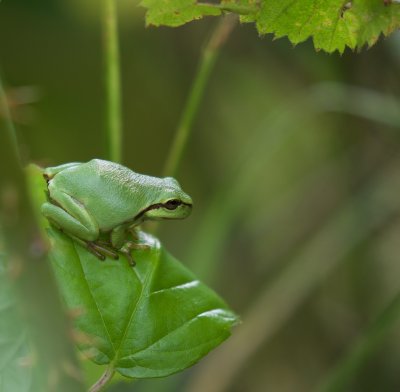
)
(172, 204)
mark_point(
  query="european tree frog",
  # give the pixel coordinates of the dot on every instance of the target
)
(100, 203)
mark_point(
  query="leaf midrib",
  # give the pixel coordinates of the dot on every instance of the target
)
(141, 296)
(94, 300)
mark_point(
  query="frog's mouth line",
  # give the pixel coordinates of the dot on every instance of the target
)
(155, 207)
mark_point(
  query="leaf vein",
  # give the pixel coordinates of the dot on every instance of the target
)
(334, 31)
(282, 11)
(308, 18)
(172, 331)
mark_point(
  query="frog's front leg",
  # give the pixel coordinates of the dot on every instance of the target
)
(120, 240)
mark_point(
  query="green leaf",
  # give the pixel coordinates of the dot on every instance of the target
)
(175, 12)
(14, 376)
(148, 321)
(332, 24)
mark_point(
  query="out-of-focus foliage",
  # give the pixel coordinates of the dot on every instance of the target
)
(37, 195)
(16, 360)
(333, 24)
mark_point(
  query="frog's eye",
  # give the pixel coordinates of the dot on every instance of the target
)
(172, 204)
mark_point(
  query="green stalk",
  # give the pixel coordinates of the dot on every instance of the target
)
(364, 348)
(112, 80)
(9, 125)
(207, 61)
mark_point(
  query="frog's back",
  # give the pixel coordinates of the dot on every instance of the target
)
(110, 192)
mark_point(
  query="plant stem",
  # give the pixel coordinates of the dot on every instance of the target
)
(9, 125)
(366, 345)
(112, 80)
(103, 380)
(207, 61)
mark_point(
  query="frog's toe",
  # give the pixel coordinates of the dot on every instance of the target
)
(102, 250)
(93, 250)
(129, 257)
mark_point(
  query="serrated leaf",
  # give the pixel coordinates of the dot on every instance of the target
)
(175, 12)
(332, 24)
(148, 321)
(14, 377)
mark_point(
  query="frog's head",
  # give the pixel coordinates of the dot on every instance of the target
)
(171, 203)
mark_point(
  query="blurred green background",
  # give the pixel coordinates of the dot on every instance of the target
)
(293, 165)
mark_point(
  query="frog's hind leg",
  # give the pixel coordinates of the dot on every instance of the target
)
(50, 172)
(71, 217)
